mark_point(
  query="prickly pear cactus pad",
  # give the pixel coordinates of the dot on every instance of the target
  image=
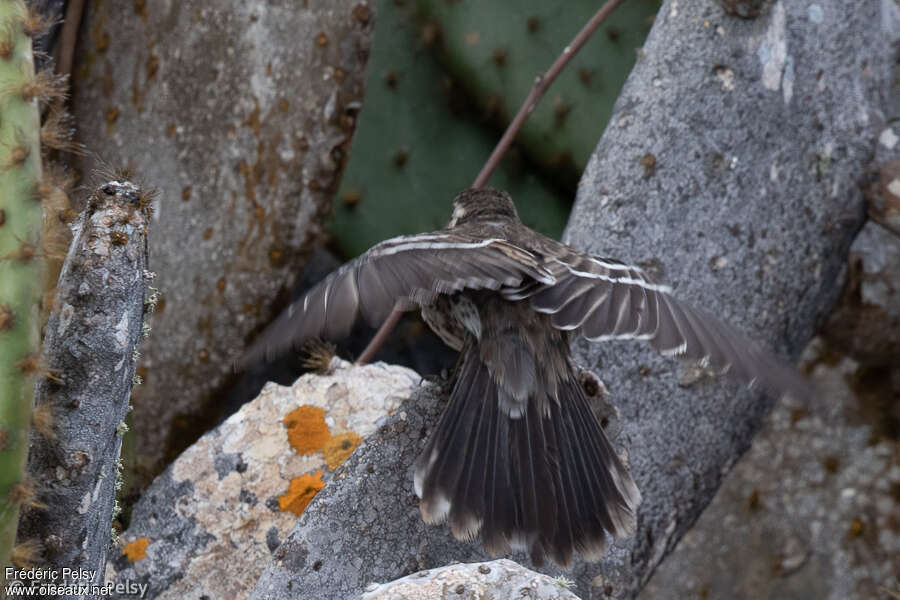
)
(495, 50)
(20, 266)
(415, 149)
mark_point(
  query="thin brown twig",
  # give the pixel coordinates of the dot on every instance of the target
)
(68, 37)
(380, 337)
(541, 83)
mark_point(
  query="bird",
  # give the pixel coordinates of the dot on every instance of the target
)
(518, 457)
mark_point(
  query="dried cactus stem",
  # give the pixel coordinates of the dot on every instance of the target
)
(20, 280)
(91, 341)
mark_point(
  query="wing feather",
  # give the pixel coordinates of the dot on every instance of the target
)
(405, 269)
(609, 300)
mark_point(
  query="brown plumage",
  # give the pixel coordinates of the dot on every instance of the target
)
(518, 457)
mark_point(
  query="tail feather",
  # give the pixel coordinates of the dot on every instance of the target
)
(500, 516)
(612, 494)
(548, 481)
(468, 510)
(437, 470)
(534, 484)
(585, 506)
(563, 541)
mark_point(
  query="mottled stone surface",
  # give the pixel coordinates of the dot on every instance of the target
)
(473, 581)
(208, 524)
(811, 511)
(823, 523)
(759, 131)
(365, 525)
(241, 113)
(866, 324)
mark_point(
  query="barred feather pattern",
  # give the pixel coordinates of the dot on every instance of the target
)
(518, 457)
(608, 300)
(407, 271)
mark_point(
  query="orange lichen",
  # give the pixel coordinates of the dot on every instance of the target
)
(301, 492)
(136, 550)
(307, 430)
(339, 447)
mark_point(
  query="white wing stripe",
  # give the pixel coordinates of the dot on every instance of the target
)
(325, 299)
(665, 289)
(677, 350)
(615, 267)
(418, 243)
(620, 317)
(606, 337)
(422, 243)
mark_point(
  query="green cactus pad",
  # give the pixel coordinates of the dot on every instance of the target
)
(496, 49)
(413, 151)
(20, 267)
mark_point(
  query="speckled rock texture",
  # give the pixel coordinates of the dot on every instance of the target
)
(729, 170)
(473, 581)
(365, 526)
(90, 345)
(242, 114)
(866, 324)
(811, 511)
(826, 526)
(208, 524)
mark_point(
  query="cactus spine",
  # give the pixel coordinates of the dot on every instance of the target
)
(20, 265)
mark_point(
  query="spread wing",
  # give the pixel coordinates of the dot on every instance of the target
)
(608, 300)
(405, 269)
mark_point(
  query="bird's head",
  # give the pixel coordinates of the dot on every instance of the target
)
(482, 204)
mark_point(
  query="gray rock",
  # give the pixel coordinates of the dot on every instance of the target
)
(365, 526)
(759, 130)
(804, 514)
(866, 323)
(242, 114)
(809, 512)
(231, 497)
(496, 579)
